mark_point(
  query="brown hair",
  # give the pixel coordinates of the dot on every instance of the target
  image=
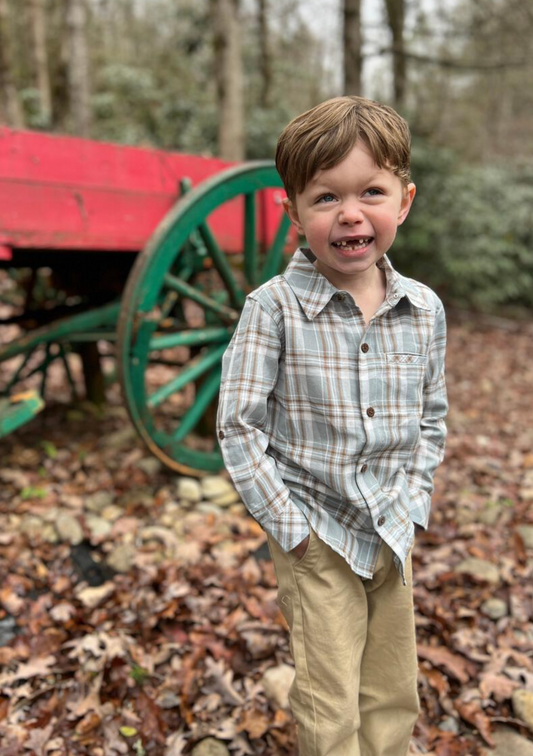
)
(322, 137)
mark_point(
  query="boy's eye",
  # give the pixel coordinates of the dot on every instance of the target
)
(374, 192)
(326, 198)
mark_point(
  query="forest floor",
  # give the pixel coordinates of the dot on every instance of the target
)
(134, 620)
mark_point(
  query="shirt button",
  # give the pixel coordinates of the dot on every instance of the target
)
(381, 520)
(364, 468)
(364, 347)
(371, 412)
(340, 297)
(221, 434)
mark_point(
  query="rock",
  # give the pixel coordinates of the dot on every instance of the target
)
(276, 682)
(494, 608)
(523, 706)
(210, 747)
(98, 501)
(231, 497)
(69, 529)
(491, 513)
(122, 557)
(449, 724)
(215, 487)
(121, 438)
(189, 489)
(91, 597)
(510, 743)
(479, 568)
(162, 535)
(98, 527)
(112, 512)
(526, 533)
(31, 525)
(150, 465)
(237, 509)
(207, 507)
(49, 533)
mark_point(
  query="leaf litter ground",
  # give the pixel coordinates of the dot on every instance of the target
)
(173, 648)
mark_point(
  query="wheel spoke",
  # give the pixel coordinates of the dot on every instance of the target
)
(275, 253)
(189, 292)
(250, 239)
(237, 295)
(206, 393)
(190, 338)
(197, 368)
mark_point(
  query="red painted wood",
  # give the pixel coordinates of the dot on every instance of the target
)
(65, 193)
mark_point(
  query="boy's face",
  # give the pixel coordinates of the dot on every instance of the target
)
(349, 215)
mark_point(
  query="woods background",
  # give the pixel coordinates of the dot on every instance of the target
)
(224, 76)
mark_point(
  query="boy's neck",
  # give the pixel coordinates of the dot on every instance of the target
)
(370, 283)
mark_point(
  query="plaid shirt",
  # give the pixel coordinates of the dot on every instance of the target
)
(329, 422)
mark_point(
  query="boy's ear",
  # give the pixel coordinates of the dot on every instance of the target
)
(407, 200)
(292, 212)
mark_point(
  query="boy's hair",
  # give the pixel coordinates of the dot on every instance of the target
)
(322, 137)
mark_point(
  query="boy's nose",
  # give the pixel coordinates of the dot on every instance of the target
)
(351, 213)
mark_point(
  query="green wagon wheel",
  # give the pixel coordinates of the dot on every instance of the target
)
(180, 307)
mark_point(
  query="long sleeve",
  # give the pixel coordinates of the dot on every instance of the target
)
(250, 368)
(430, 450)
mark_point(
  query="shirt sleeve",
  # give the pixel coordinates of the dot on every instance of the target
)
(250, 368)
(430, 451)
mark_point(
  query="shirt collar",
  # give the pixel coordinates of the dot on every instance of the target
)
(314, 291)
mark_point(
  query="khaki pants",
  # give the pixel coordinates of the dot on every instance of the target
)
(353, 644)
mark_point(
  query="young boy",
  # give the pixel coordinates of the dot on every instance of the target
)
(331, 424)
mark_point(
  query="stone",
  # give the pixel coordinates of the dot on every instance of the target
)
(526, 533)
(98, 527)
(210, 747)
(150, 465)
(494, 608)
(215, 487)
(276, 681)
(189, 489)
(231, 497)
(449, 724)
(510, 743)
(479, 568)
(69, 529)
(31, 525)
(207, 507)
(490, 514)
(121, 438)
(98, 501)
(523, 706)
(122, 557)
(49, 533)
(112, 512)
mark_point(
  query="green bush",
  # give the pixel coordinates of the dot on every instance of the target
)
(470, 232)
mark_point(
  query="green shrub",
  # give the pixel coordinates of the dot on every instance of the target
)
(470, 232)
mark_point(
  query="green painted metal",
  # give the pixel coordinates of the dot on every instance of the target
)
(184, 247)
(18, 410)
(250, 241)
(64, 329)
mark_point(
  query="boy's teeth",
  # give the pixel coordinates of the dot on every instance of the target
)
(354, 243)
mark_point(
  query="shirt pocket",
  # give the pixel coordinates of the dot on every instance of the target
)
(404, 375)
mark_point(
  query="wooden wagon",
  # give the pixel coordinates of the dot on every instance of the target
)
(150, 251)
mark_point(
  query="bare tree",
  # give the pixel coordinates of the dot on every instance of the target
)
(352, 43)
(40, 58)
(229, 78)
(10, 109)
(265, 55)
(78, 67)
(396, 20)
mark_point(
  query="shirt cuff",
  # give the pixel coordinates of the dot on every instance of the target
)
(289, 529)
(419, 508)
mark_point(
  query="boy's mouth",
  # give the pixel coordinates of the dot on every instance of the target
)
(353, 243)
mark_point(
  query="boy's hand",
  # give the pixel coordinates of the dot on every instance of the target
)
(300, 549)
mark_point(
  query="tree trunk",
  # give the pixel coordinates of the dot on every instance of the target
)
(353, 42)
(265, 56)
(10, 110)
(229, 78)
(78, 68)
(396, 18)
(40, 58)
